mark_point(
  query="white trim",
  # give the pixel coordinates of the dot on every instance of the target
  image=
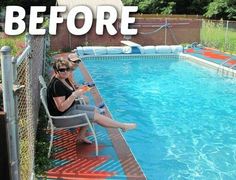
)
(212, 65)
(130, 43)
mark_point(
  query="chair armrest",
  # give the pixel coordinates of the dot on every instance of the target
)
(71, 116)
(80, 99)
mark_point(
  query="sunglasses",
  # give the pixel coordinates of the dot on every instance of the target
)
(63, 69)
(76, 62)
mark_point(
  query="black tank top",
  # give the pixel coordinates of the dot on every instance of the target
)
(56, 88)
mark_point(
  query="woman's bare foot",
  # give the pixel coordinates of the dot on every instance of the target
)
(83, 140)
(128, 126)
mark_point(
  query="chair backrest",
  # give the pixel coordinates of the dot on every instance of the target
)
(42, 82)
(43, 97)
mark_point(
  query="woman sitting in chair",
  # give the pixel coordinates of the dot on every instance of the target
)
(61, 97)
(74, 62)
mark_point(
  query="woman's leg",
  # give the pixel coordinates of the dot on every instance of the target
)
(93, 115)
(108, 122)
(87, 108)
(81, 138)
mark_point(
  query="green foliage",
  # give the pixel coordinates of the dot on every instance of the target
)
(15, 42)
(42, 162)
(231, 10)
(197, 6)
(215, 35)
(152, 6)
(144, 5)
(225, 9)
(218, 9)
(169, 6)
(45, 23)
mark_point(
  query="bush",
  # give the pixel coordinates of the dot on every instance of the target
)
(17, 43)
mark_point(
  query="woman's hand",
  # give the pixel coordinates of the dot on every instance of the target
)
(84, 89)
(77, 93)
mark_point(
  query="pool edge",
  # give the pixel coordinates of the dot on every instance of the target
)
(208, 64)
(126, 157)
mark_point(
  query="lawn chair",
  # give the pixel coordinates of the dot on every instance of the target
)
(43, 96)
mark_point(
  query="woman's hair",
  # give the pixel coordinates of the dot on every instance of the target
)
(60, 62)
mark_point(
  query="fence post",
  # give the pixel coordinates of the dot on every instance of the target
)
(29, 102)
(46, 43)
(166, 31)
(10, 109)
(226, 34)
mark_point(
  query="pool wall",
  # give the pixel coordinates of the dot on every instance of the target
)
(136, 56)
(127, 50)
(162, 52)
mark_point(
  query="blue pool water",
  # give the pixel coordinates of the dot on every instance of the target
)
(186, 115)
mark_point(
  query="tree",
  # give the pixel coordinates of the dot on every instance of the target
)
(198, 6)
(169, 6)
(218, 9)
(152, 6)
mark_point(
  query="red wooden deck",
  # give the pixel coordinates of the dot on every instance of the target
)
(72, 161)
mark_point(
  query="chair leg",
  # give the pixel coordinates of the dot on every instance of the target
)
(94, 128)
(51, 142)
(48, 126)
(83, 102)
(95, 138)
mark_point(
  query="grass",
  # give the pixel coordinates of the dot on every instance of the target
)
(215, 35)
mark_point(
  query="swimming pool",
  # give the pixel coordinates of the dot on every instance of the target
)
(185, 114)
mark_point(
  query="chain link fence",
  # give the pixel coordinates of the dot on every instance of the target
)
(25, 70)
(28, 104)
(219, 34)
(25, 121)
